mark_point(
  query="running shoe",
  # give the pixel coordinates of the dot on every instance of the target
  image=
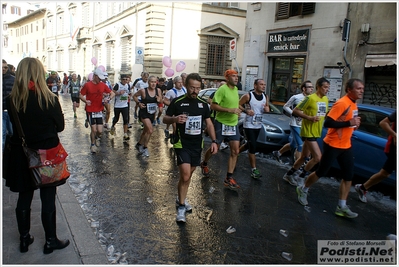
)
(231, 183)
(255, 174)
(129, 126)
(140, 148)
(345, 212)
(276, 156)
(135, 116)
(126, 138)
(187, 205)
(93, 149)
(362, 193)
(141, 126)
(112, 132)
(166, 131)
(223, 146)
(74, 115)
(204, 169)
(302, 196)
(145, 152)
(86, 123)
(291, 179)
(154, 123)
(158, 121)
(181, 214)
(98, 141)
(105, 125)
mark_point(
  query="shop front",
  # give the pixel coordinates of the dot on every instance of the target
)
(286, 53)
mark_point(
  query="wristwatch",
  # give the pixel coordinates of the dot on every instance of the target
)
(215, 141)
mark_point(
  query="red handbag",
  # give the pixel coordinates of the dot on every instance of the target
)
(48, 166)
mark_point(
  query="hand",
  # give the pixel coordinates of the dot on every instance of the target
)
(182, 118)
(314, 119)
(141, 105)
(88, 102)
(355, 122)
(250, 112)
(214, 148)
(236, 111)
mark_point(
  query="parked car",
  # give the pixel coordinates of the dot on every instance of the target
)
(275, 125)
(368, 142)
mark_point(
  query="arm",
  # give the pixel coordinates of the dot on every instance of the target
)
(166, 99)
(216, 107)
(297, 112)
(136, 99)
(385, 124)
(287, 106)
(244, 100)
(159, 96)
(211, 131)
(266, 107)
(331, 123)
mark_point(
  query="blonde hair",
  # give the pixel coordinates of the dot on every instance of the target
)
(30, 69)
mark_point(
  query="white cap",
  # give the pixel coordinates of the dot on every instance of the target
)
(101, 74)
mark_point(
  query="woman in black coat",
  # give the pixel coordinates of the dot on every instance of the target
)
(41, 118)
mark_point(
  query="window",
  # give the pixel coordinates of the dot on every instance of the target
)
(31, 28)
(16, 10)
(37, 45)
(37, 26)
(217, 55)
(29, 11)
(370, 123)
(110, 56)
(16, 32)
(126, 54)
(5, 42)
(26, 43)
(18, 48)
(4, 11)
(286, 10)
(44, 44)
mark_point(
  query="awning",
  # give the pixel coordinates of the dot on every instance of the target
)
(380, 60)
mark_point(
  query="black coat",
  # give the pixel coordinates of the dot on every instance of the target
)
(41, 129)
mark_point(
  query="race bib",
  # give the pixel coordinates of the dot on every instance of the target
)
(123, 98)
(75, 90)
(257, 119)
(321, 109)
(228, 130)
(152, 108)
(355, 113)
(96, 115)
(193, 125)
(54, 88)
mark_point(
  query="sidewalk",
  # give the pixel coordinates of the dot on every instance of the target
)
(71, 224)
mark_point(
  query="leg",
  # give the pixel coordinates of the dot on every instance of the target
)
(147, 131)
(23, 219)
(47, 197)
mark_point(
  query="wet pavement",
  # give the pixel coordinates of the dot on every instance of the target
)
(129, 203)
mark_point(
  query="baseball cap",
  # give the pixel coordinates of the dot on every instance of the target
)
(101, 74)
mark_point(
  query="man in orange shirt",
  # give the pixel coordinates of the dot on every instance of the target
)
(341, 120)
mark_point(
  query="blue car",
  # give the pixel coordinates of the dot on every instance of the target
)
(368, 142)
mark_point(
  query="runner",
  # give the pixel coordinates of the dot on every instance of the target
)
(226, 105)
(341, 121)
(73, 87)
(121, 106)
(254, 104)
(189, 113)
(92, 94)
(150, 97)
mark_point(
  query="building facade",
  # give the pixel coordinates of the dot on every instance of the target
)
(131, 37)
(288, 43)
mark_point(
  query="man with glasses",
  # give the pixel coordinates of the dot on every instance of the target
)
(122, 95)
(296, 143)
(8, 82)
(189, 112)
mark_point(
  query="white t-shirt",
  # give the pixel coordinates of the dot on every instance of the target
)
(289, 107)
(140, 85)
(173, 93)
(121, 101)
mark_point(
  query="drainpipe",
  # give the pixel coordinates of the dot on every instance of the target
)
(346, 43)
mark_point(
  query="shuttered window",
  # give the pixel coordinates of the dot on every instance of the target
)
(217, 55)
(286, 10)
(126, 54)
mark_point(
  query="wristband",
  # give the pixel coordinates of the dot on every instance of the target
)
(215, 141)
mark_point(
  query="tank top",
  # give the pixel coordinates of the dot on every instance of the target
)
(150, 101)
(255, 122)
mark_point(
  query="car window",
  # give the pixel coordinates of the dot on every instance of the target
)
(206, 94)
(369, 122)
(273, 109)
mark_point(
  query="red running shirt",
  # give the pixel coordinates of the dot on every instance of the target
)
(94, 93)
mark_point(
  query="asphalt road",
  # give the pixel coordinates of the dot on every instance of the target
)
(130, 203)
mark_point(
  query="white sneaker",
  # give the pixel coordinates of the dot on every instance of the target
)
(345, 212)
(181, 214)
(93, 149)
(188, 206)
(302, 196)
(223, 146)
(291, 179)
